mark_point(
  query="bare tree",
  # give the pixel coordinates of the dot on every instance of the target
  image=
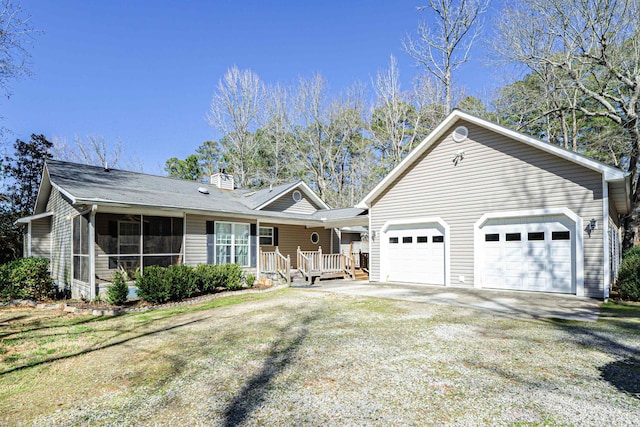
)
(235, 112)
(95, 150)
(15, 37)
(445, 46)
(278, 162)
(310, 128)
(396, 123)
(594, 45)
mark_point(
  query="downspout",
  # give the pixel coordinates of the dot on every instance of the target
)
(92, 251)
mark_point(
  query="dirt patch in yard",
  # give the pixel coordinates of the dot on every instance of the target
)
(297, 357)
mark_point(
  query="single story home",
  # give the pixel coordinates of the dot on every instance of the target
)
(477, 204)
(90, 221)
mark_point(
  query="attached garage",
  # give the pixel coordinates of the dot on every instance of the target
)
(415, 252)
(529, 253)
(520, 213)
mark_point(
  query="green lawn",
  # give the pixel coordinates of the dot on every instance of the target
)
(306, 358)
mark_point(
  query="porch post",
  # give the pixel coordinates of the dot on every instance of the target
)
(92, 252)
(258, 266)
(29, 239)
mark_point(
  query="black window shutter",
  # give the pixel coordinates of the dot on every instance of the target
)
(275, 236)
(211, 242)
(253, 241)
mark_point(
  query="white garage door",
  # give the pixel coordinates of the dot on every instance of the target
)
(415, 254)
(532, 254)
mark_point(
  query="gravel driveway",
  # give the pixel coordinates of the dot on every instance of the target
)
(320, 359)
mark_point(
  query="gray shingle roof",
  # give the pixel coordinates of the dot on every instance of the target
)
(93, 184)
(259, 197)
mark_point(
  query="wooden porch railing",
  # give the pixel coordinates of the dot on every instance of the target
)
(313, 264)
(276, 263)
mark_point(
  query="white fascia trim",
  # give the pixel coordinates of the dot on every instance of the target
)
(28, 219)
(478, 259)
(605, 239)
(408, 221)
(302, 185)
(72, 199)
(609, 172)
(45, 173)
(115, 207)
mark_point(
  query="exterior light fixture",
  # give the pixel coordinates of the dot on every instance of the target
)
(593, 224)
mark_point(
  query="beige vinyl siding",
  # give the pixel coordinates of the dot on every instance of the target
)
(41, 237)
(496, 174)
(292, 236)
(61, 236)
(285, 203)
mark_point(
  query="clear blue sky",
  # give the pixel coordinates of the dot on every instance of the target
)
(143, 71)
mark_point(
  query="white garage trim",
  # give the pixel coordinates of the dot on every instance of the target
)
(605, 238)
(410, 221)
(578, 248)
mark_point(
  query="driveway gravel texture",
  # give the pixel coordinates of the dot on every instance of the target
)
(304, 358)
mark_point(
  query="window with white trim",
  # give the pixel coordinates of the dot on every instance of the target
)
(266, 236)
(232, 243)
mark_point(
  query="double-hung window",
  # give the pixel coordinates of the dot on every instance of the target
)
(232, 243)
(266, 236)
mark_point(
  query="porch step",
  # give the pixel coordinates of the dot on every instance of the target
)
(361, 275)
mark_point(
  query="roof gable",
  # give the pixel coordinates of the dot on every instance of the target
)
(286, 189)
(609, 173)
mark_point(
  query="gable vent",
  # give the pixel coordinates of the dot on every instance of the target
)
(460, 134)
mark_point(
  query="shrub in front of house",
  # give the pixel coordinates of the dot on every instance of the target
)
(177, 282)
(234, 276)
(210, 277)
(249, 279)
(628, 283)
(152, 285)
(181, 281)
(118, 291)
(27, 278)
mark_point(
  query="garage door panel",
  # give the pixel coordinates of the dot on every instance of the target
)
(416, 257)
(528, 254)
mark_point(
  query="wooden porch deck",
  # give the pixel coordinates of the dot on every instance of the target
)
(313, 265)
